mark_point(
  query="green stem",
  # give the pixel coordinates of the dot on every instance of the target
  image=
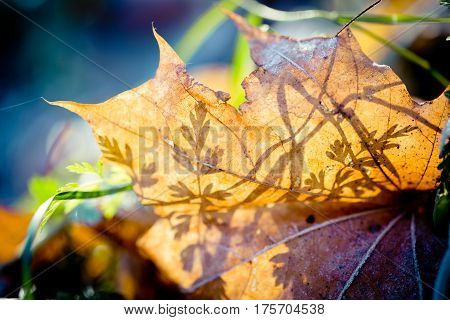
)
(26, 257)
(35, 224)
(266, 12)
(407, 54)
(71, 195)
(203, 27)
(242, 64)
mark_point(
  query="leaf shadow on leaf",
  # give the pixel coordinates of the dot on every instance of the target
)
(370, 155)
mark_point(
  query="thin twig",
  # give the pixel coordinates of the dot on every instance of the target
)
(359, 15)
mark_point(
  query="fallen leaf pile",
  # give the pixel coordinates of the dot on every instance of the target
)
(82, 261)
(316, 187)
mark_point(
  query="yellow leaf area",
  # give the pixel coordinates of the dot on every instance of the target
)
(325, 135)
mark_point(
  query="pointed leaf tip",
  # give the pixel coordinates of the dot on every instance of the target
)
(69, 105)
(246, 28)
(167, 54)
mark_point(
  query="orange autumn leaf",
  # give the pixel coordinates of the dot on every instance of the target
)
(326, 134)
(14, 227)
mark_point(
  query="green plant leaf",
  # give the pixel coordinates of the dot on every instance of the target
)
(242, 64)
(441, 209)
(42, 188)
(85, 167)
(447, 94)
(112, 205)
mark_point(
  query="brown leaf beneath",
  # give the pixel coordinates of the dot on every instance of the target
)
(295, 252)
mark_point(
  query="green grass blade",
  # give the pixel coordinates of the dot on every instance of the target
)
(72, 195)
(395, 19)
(203, 28)
(36, 223)
(27, 249)
(407, 54)
(242, 64)
(266, 12)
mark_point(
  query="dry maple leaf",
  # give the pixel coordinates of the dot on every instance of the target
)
(306, 192)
